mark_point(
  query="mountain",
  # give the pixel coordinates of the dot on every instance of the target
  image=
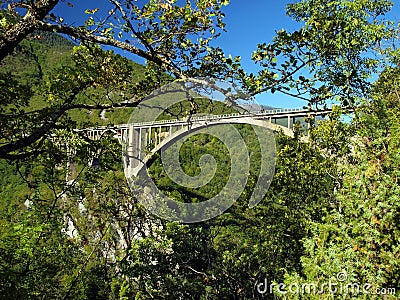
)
(40, 55)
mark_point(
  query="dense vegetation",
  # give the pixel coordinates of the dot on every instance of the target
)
(74, 230)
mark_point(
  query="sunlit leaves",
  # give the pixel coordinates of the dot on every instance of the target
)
(360, 234)
(335, 48)
(167, 29)
(91, 11)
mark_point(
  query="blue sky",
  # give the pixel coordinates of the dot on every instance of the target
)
(256, 21)
(248, 23)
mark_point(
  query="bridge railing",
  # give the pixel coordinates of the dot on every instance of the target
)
(206, 118)
(223, 116)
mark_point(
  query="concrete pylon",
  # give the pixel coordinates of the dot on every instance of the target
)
(134, 146)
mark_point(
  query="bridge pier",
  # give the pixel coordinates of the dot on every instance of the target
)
(140, 143)
(134, 145)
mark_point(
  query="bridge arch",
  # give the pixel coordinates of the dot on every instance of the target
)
(192, 127)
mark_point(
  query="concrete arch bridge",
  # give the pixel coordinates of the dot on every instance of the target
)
(142, 140)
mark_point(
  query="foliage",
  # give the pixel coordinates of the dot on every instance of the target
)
(330, 58)
(359, 235)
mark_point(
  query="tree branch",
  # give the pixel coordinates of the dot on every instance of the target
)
(284, 78)
(102, 106)
(86, 36)
(25, 26)
(41, 131)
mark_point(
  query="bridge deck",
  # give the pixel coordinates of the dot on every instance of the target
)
(273, 114)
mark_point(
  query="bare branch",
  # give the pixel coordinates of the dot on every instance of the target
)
(103, 106)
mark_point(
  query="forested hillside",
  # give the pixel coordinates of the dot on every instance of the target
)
(34, 61)
(39, 57)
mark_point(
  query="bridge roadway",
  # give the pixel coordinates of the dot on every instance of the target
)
(271, 115)
(141, 140)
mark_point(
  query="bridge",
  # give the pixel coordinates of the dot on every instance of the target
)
(142, 140)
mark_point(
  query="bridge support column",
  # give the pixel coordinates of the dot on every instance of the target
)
(146, 137)
(288, 122)
(140, 144)
(133, 146)
(149, 136)
(125, 135)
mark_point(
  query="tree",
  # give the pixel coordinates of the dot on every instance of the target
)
(174, 39)
(359, 235)
(330, 58)
(356, 241)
